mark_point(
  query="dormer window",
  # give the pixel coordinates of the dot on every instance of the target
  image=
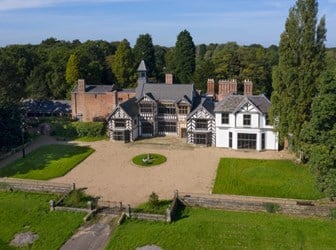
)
(183, 110)
(247, 120)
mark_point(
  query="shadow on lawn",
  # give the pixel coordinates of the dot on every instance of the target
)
(40, 158)
(182, 212)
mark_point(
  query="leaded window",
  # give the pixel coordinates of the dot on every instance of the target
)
(201, 124)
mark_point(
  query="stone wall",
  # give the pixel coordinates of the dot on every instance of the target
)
(34, 185)
(149, 217)
(257, 204)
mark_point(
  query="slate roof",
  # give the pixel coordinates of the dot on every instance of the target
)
(47, 106)
(205, 103)
(96, 88)
(231, 103)
(261, 102)
(166, 92)
(130, 107)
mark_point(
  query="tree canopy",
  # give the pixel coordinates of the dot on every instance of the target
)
(185, 62)
(123, 64)
(144, 50)
(301, 59)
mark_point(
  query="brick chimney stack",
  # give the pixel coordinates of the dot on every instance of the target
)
(81, 85)
(248, 87)
(211, 87)
(169, 78)
(226, 87)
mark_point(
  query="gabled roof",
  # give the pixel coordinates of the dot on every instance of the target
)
(229, 103)
(232, 103)
(130, 107)
(205, 103)
(185, 99)
(142, 66)
(96, 88)
(166, 92)
(261, 102)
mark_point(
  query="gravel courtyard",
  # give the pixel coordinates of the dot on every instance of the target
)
(110, 174)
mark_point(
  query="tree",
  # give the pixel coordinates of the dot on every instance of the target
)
(72, 70)
(122, 64)
(144, 50)
(38, 83)
(226, 59)
(184, 57)
(205, 69)
(301, 59)
(160, 62)
(319, 134)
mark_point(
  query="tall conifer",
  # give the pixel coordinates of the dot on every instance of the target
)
(122, 64)
(184, 57)
(144, 50)
(301, 59)
(72, 70)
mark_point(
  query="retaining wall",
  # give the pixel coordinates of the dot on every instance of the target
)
(257, 204)
(34, 185)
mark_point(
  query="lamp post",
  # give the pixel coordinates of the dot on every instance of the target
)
(22, 137)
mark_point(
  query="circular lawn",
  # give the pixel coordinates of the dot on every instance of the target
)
(148, 160)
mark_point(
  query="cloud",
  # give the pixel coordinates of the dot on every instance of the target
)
(29, 4)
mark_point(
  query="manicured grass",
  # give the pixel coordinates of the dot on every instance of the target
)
(202, 228)
(47, 162)
(269, 178)
(155, 159)
(147, 207)
(92, 139)
(22, 212)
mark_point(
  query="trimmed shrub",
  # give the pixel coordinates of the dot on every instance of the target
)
(271, 207)
(332, 213)
(90, 129)
(63, 128)
(153, 200)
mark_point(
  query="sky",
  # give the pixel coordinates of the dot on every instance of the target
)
(208, 21)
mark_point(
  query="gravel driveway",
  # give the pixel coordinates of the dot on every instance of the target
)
(110, 173)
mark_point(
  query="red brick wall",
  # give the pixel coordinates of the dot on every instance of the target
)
(92, 105)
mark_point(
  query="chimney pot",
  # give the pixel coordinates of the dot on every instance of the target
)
(81, 85)
(169, 78)
(248, 87)
(211, 87)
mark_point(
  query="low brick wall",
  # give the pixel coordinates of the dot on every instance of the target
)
(257, 204)
(34, 185)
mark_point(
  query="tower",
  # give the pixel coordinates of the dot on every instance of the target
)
(142, 72)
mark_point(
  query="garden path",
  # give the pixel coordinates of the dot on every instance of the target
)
(93, 236)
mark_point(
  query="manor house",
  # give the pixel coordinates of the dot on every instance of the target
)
(224, 119)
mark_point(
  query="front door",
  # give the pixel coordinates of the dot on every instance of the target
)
(183, 133)
(146, 129)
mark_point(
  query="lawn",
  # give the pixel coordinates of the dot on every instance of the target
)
(202, 228)
(22, 212)
(269, 178)
(47, 162)
(153, 160)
